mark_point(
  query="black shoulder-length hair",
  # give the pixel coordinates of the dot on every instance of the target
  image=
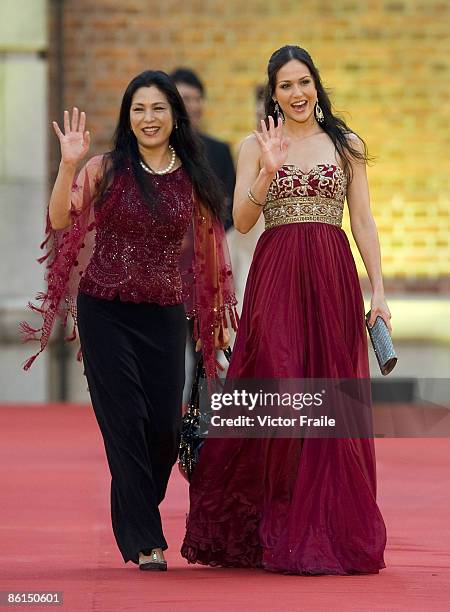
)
(185, 141)
(334, 126)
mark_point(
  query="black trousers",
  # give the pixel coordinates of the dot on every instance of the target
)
(134, 363)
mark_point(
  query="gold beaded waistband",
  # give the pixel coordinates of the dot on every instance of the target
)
(303, 209)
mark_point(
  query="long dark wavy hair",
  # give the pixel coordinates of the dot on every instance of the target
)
(185, 141)
(334, 126)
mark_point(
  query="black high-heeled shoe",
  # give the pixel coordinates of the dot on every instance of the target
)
(155, 565)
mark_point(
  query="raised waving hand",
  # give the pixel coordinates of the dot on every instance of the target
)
(274, 146)
(75, 140)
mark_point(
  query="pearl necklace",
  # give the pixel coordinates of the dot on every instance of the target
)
(165, 170)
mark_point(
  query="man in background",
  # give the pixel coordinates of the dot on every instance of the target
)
(192, 91)
(260, 98)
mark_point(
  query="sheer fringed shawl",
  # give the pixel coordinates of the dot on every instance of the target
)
(205, 267)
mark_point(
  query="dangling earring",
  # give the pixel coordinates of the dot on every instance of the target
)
(278, 112)
(318, 113)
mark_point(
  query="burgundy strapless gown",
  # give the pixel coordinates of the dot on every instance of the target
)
(287, 505)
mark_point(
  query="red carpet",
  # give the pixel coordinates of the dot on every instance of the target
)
(56, 535)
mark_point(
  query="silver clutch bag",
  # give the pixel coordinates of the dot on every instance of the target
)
(382, 344)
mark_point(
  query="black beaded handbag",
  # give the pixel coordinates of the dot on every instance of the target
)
(191, 442)
(382, 344)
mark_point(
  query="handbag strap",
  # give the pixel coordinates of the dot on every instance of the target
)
(199, 374)
(227, 353)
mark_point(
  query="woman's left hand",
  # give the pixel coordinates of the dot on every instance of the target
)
(379, 308)
(221, 339)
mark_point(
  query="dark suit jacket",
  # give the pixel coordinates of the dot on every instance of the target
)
(219, 156)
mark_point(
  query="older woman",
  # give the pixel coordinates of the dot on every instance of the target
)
(115, 243)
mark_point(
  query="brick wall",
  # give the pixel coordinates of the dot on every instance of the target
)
(386, 63)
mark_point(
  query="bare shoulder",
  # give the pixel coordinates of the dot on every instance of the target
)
(250, 144)
(355, 141)
(249, 148)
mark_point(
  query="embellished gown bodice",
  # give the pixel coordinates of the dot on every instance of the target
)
(298, 197)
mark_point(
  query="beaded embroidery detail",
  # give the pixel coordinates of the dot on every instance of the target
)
(137, 251)
(303, 210)
(297, 197)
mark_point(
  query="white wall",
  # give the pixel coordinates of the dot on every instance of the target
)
(23, 193)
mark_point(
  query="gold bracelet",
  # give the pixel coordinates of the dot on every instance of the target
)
(252, 198)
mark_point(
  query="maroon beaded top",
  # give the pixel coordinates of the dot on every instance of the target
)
(169, 253)
(137, 250)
